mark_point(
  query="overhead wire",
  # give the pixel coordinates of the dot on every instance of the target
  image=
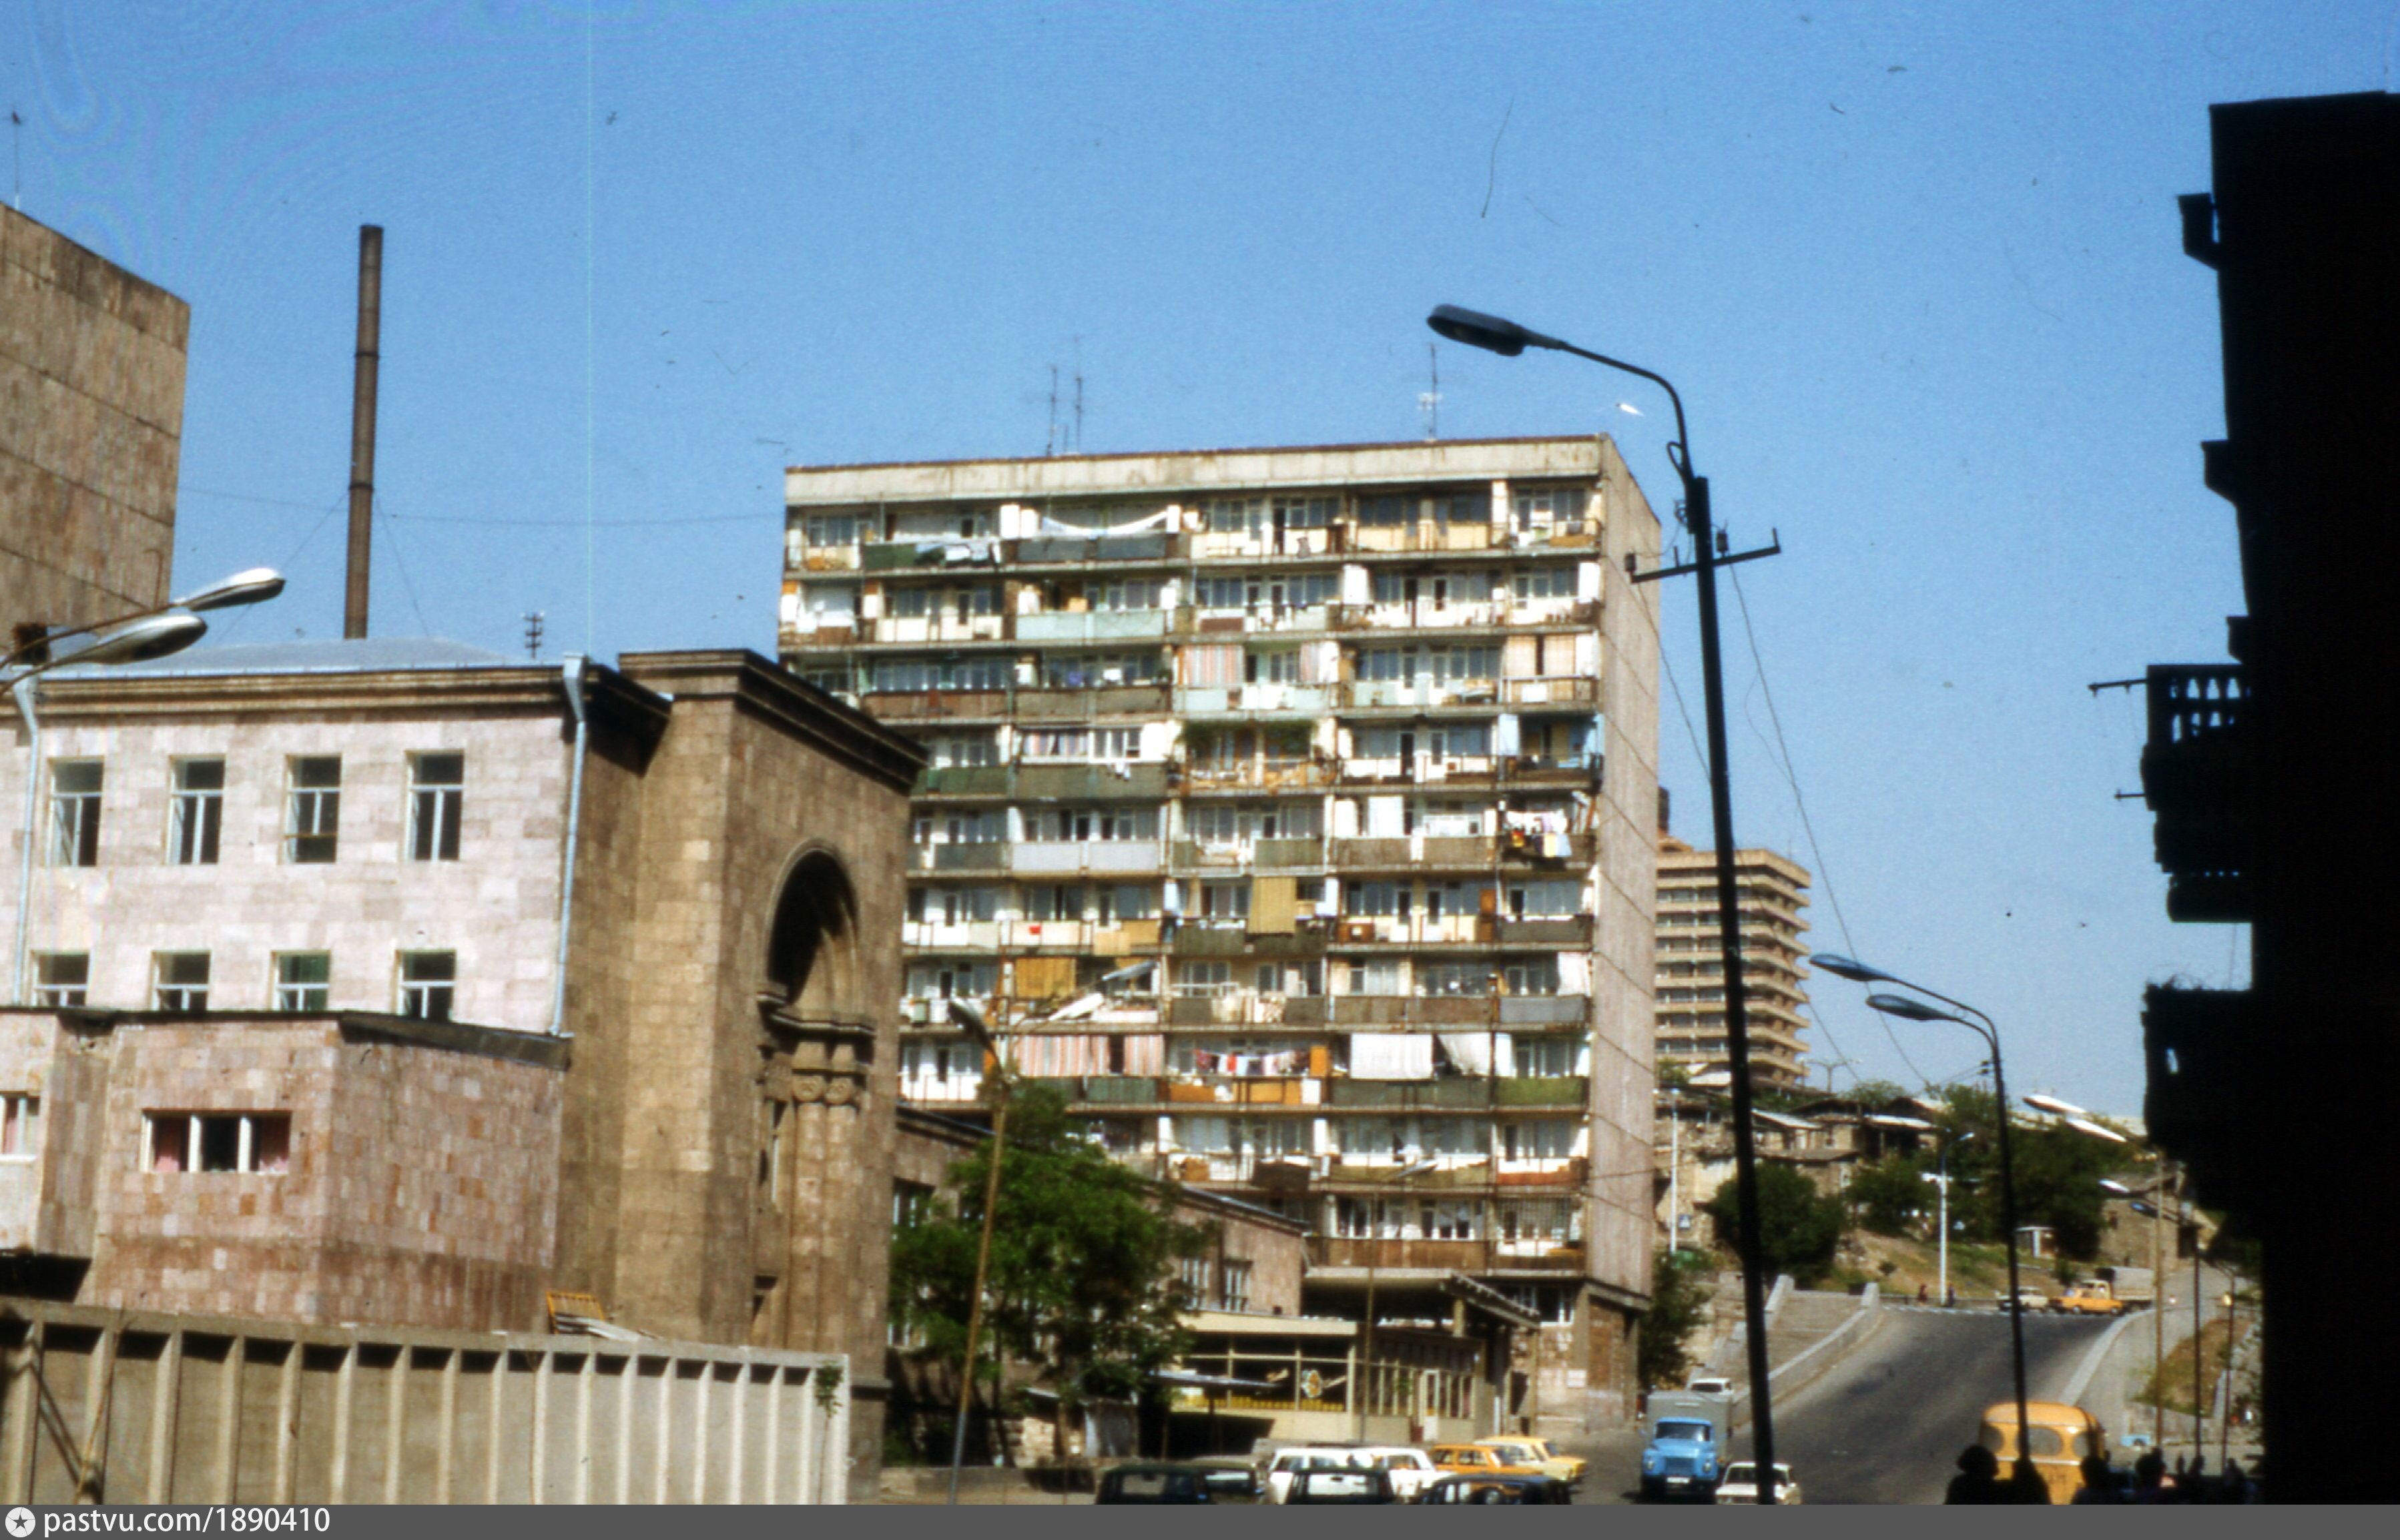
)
(408, 587)
(1816, 853)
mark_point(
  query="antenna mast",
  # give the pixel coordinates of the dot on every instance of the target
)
(1429, 401)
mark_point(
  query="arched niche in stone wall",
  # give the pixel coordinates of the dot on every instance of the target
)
(813, 969)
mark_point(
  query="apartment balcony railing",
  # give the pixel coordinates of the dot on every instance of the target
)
(2195, 775)
(1474, 1256)
(1258, 855)
(935, 705)
(2206, 1057)
(1102, 626)
(1555, 691)
(930, 629)
(1087, 857)
(1419, 693)
(1257, 774)
(1243, 700)
(1055, 549)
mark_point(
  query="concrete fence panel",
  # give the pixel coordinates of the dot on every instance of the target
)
(126, 1406)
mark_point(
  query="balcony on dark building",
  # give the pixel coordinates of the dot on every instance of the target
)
(2194, 771)
(2203, 1075)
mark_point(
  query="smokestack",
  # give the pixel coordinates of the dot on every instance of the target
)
(362, 427)
(1662, 809)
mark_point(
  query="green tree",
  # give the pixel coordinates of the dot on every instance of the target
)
(1678, 1292)
(1798, 1226)
(1084, 1258)
(2058, 1172)
(1890, 1196)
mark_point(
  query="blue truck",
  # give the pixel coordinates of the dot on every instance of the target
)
(1690, 1431)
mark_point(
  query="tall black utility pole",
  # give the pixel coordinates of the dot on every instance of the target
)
(1507, 338)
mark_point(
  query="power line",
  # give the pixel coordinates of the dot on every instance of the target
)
(408, 587)
(1791, 778)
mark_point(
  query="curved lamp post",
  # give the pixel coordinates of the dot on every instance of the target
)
(144, 634)
(1509, 339)
(1911, 1009)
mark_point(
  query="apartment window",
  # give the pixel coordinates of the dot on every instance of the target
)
(989, 827)
(1546, 1058)
(1385, 512)
(1547, 1138)
(1127, 900)
(1532, 975)
(313, 816)
(21, 1126)
(1192, 1274)
(1222, 593)
(912, 1204)
(1377, 975)
(179, 981)
(198, 816)
(907, 675)
(1203, 978)
(1556, 506)
(1454, 979)
(1225, 900)
(1054, 901)
(252, 1143)
(963, 750)
(429, 984)
(74, 812)
(833, 680)
(303, 981)
(1544, 583)
(1280, 666)
(1094, 670)
(61, 978)
(1129, 593)
(908, 604)
(832, 529)
(437, 793)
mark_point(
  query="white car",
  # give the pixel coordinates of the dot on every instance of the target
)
(1741, 1484)
(1412, 1469)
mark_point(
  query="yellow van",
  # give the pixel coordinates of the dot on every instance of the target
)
(2060, 1437)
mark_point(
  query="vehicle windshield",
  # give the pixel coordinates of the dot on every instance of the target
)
(1697, 1433)
(1740, 1476)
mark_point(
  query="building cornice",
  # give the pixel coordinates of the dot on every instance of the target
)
(773, 694)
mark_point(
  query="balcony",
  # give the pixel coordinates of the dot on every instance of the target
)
(1083, 705)
(1560, 691)
(2195, 775)
(2203, 1057)
(1142, 782)
(1083, 857)
(987, 857)
(1104, 626)
(1257, 774)
(964, 780)
(1059, 550)
(929, 630)
(935, 704)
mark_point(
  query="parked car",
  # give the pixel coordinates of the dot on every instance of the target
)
(1411, 1470)
(1477, 1460)
(2032, 1298)
(1289, 1461)
(1231, 1477)
(1158, 1484)
(1346, 1486)
(1740, 1483)
(1540, 1454)
(2092, 1297)
(1498, 1489)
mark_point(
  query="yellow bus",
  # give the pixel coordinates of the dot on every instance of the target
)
(2060, 1435)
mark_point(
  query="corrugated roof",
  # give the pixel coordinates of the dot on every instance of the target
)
(364, 655)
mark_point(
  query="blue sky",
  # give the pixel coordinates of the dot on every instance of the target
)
(1915, 271)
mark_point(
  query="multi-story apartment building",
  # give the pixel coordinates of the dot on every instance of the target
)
(1304, 796)
(1773, 889)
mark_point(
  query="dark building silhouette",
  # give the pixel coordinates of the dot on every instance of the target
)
(2272, 777)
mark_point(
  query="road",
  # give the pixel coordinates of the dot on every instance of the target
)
(1886, 1424)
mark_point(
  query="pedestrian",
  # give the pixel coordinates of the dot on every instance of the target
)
(2233, 1486)
(2025, 1486)
(1951, 1303)
(2150, 1471)
(1978, 1480)
(1920, 1293)
(2099, 1482)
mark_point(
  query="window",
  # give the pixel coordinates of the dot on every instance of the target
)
(909, 675)
(1385, 512)
(303, 981)
(429, 983)
(1376, 900)
(1128, 593)
(833, 679)
(1127, 900)
(1234, 1286)
(1544, 583)
(1532, 975)
(1094, 670)
(832, 529)
(1051, 900)
(1547, 1138)
(960, 750)
(1222, 593)
(1304, 512)
(1225, 900)
(989, 827)
(907, 604)
(1546, 509)
(1454, 979)
(74, 812)
(1191, 1276)
(1203, 978)
(252, 1143)
(954, 976)
(1235, 516)
(912, 1204)
(179, 981)
(437, 789)
(313, 819)
(21, 1126)
(1540, 900)
(1546, 1058)
(61, 978)
(1084, 824)
(1377, 975)
(1278, 666)
(198, 816)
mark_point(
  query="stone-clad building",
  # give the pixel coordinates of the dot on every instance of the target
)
(92, 422)
(398, 983)
(1313, 788)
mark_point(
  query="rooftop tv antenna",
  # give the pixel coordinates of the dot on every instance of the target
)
(17, 155)
(1429, 401)
(1050, 445)
(533, 634)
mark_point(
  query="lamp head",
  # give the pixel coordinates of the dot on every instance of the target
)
(1911, 1009)
(139, 640)
(2118, 1188)
(253, 587)
(1850, 968)
(1489, 333)
(969, 1016)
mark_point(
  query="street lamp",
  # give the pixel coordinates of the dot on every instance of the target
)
(1908, 1008)
(1507, 338)
(144, 634)
(1942, 1183)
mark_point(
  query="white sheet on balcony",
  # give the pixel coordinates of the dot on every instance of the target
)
(1391, 1056)
(1472, 1051)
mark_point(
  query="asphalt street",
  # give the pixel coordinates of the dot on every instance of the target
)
(1886, 1424)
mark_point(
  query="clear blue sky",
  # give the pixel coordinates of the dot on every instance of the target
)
(1915, 269)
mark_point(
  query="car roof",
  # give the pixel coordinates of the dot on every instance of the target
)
(2048, 1413)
